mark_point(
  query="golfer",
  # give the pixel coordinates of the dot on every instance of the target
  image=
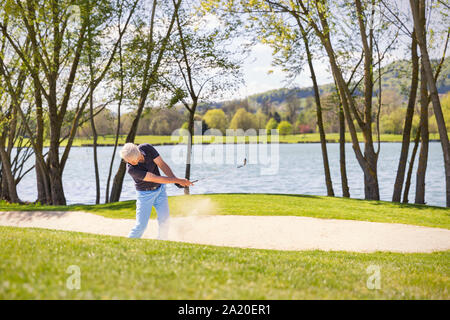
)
(143, 162)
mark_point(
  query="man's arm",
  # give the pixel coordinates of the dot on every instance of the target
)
(164, 167)
(150, 177)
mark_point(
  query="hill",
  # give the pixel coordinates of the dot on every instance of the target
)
(395, 77)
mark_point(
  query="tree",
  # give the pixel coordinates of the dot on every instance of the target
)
(201, 55)
(54, 62)
(418, 9)
(423, 154)
(12, 128)
(289, 41)
(284, 128)
(242, 120)
(146, 52)
(403, 21)
(216, 119)
(260, 119)
(271, 124)
(316, 14)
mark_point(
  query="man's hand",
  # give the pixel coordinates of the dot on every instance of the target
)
(184, 182)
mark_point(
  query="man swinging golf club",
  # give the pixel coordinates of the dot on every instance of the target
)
(143, 162)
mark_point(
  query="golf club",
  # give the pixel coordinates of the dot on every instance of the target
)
(214, 175)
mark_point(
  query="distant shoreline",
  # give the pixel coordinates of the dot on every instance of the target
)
(109, 140)
(246, 142)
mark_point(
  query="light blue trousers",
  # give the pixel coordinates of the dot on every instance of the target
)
(144, 203)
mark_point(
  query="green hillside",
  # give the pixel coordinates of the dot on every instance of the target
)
(396, 77)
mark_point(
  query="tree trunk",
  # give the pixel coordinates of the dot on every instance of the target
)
(406, 141)
(187, 173)
(423, 155)
(368, 161)
(417, 7)
(149, 79)
(323, 140)
(55, 175)
(411, 166)
(3, 186)
(116, 142)
(7, 173)
(371, 187)
(94, 130)
(344, 181)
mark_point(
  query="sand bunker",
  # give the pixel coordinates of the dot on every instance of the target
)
(261, 232)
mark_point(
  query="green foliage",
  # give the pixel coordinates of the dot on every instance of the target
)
(164, 121)
(216, 119)
(284, 128)
(394, 122)
(242, 120)
(271, 125)
(445, 104)
(260, 119)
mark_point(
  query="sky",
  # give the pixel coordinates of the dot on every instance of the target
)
(257, 78)
(257, 65)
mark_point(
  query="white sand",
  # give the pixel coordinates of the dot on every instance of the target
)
(262, 232)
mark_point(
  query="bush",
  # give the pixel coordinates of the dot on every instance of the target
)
(304, 128)
(284, 128)
(216, 119)
(271, 124)
(243, 120)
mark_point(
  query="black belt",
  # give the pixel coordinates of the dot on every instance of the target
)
(150, 188)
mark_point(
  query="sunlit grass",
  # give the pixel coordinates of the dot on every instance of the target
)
(274, 205)
(34, 262)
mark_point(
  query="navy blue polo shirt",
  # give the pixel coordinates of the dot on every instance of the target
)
(139, 171)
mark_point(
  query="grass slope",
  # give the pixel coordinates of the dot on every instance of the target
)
(34, 262)
(272, 204)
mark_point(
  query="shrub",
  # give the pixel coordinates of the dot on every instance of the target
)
(271, 124)
(284, 128)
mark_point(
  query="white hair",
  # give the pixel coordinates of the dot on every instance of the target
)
(130, 151)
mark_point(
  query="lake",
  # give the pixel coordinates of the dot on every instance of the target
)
(300, 171)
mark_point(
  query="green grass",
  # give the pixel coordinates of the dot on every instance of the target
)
(272, 204)
(297, 138)
(34, 262)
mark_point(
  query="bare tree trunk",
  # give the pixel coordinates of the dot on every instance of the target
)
(344, 181)
(56, 184)
(3, 185)
(7, 173)
(91, 111)
(417, 6)
(423, 155)
(187, 174)
(119, 106)
(411, 166)
(42, 180)
(398, 186)
(323, 140)
(94, 147)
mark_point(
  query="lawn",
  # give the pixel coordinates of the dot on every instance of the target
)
(293, 138)
(272, 204)
(34, 265)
